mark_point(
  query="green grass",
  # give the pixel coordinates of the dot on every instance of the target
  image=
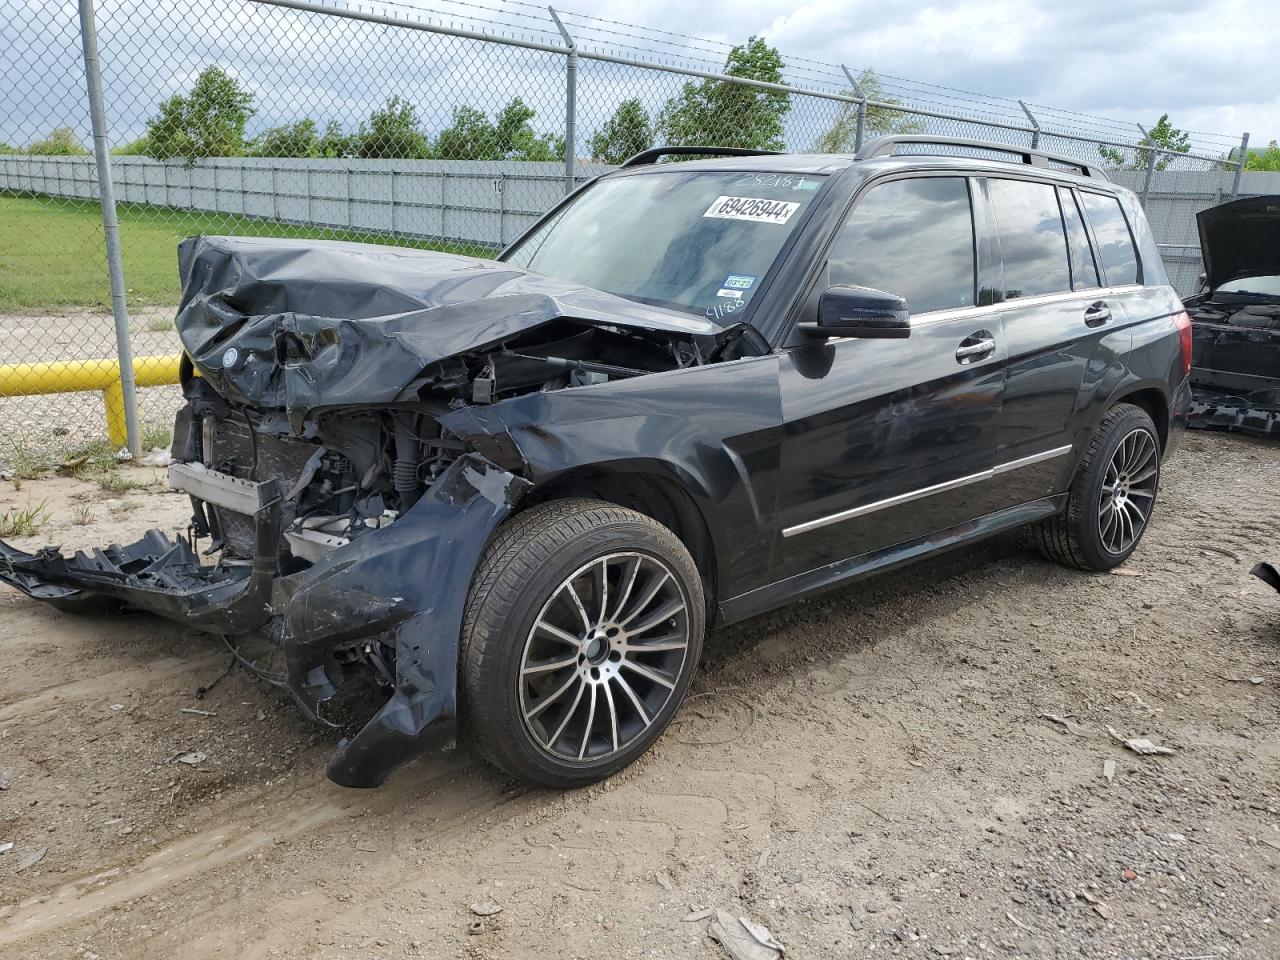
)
(52, 253)
(23, 521)
(116, 483)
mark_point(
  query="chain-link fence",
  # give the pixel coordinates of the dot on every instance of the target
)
(449, 129)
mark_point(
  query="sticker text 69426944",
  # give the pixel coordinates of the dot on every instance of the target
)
(755, 209)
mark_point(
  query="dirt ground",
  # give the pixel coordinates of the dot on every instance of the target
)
(867, 773)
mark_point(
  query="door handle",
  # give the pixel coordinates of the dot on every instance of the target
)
(1096, 314)
(975, 347)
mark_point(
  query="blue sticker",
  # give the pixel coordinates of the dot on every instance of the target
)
(738, 281)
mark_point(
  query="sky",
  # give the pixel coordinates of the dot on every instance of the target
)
(1211, 65)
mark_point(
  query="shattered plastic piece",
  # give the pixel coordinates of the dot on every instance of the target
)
(31, 859)
(1108, 770)
(695, 915)
(485, 908)
(191, 758)
(6, 846)
(123, 455)
(743, 939)
(1140, 745)
(156, 457)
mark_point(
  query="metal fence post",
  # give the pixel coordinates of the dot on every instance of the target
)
(1151, 170)
(1244, 158)
(570, 103)
(1035, 126)
(862, 109)
(110, 226)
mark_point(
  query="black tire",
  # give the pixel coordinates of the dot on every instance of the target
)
(531, 573)
(1078, 537)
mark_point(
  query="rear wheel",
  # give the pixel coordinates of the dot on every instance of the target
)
(1112, 497)
(581, 637)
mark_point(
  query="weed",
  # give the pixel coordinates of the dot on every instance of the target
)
(25, 521)
(154, 436)
(82, 516)
(26, 464)
(117, 483)
(159, 325)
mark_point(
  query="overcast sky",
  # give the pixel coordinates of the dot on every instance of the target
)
(1211, 65)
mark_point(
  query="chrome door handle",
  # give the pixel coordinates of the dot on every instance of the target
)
(1096, 314)
(972, 351)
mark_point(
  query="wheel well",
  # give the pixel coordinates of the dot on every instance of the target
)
(1152, 401)
(654, 495)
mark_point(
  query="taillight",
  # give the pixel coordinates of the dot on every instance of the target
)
(1183, 321)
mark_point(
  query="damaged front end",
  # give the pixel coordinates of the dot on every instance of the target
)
(332, 511)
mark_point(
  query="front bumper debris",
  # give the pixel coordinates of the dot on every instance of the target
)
(405, 584)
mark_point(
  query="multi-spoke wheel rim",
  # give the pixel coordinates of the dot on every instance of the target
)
(604, 657)
(1128, 491)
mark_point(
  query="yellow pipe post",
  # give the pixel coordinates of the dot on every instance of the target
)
(74, 376)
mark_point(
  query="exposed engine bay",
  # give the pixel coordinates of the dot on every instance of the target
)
(343, 472)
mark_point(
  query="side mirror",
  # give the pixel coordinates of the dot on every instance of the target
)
(860, 312)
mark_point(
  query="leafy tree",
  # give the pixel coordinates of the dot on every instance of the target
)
(624, 134)
(134, 148)
(1268, 159)
(392, 133)
(333, 143)
(208, 122)
(725, 114)
(8, 148)
(842, 137)
(510, 136)
(1164, 136)
(61, 142)
(297, 139)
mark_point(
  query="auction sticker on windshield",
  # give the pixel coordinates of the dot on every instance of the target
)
(754, 209)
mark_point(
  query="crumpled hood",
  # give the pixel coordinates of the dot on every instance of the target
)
(1240, 238)
(302, 324)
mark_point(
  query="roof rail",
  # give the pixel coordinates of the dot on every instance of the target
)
(654, 154)
(884, 147)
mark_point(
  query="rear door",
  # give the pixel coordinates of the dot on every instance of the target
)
(887, 440)
(1064, 328)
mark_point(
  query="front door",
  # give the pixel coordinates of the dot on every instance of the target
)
(885, 441)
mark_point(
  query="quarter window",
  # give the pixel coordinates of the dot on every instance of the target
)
(1032, 241)
(1115, 242)
(913, 238)
(1084, 272)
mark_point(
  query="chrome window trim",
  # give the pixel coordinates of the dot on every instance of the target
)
(943, 487)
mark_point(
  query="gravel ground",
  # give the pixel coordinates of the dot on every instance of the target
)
(868, 773)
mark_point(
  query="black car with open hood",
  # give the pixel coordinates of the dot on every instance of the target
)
(511, 495)
(1236, 318)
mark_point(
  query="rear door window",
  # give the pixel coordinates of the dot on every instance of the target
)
(913, 238)
(1032, 240)
(1115, 242)
(1084, 272)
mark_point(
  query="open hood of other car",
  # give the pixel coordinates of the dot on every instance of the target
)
(1240, 238)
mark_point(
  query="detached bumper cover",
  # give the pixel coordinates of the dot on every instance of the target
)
(405, 584)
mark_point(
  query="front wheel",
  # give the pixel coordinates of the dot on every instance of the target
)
(581, 637)
(1112, 497)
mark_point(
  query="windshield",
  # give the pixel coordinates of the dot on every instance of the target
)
(698, 242)
(1262, 286)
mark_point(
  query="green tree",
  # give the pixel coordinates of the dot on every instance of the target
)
(333, 143)
(61, 142)
(725, 114)
(392, 133)
(207, 122)
(1164, 136)
(1268, 159)
(297, 139)
(9, 148)
(624, 134)
(134, 148)
(880, 121)
(510, 136)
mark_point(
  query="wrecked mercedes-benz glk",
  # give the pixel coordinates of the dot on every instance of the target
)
(1235, 374)
(515, 492)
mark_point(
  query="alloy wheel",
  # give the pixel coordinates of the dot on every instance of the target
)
(1128, 491)
(604, 657)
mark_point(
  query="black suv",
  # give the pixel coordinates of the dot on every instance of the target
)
(517, 492)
